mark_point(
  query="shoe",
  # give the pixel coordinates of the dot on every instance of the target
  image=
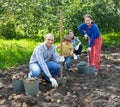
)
(96, 74)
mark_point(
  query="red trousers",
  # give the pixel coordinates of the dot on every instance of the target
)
(94, 55)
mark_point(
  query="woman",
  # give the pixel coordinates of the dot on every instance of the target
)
(90, 30)
(76, 43)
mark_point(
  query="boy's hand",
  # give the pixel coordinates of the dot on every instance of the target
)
(62, 59)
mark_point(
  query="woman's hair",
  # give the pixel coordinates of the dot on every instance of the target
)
(89, 16)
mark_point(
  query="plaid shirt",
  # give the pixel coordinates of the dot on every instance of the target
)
(42, 54)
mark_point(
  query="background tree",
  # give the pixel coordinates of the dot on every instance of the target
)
(34, 18)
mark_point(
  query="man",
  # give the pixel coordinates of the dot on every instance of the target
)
(45, 59)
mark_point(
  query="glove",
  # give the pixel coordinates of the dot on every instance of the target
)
(54, 82)
(77, 47)
(62, 59)
(75, 56)
(86, 36)
(89, 49)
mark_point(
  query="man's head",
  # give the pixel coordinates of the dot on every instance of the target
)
(49, 40)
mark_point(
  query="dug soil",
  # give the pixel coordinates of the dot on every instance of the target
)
(80, 90)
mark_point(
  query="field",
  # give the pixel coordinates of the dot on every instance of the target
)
(80, 90)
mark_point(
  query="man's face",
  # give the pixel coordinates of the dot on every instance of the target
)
(49, 41)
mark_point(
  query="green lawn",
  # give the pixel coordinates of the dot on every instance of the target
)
(15, 52)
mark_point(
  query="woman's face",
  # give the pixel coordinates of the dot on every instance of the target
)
(71, 35)
(88, 21)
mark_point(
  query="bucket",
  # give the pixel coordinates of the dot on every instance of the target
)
(82, 67)
(91, 69)
(17, 82)
(31, 86)
(18, 86)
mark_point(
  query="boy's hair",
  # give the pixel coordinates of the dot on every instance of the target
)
(67, 38)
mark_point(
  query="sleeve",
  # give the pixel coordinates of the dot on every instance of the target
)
(71, 50)
(91, 41)
(41, 61)
(79, 42)
(56, 57)
(81, 28)
(93, 36)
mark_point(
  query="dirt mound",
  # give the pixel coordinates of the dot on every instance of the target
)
(80, 90)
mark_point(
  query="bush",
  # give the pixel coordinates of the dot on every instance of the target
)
(8, 30)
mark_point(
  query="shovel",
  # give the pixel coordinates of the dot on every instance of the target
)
(61, 80)
(91, 69)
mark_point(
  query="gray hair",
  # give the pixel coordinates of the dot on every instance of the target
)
(89, 16)
(49, 34)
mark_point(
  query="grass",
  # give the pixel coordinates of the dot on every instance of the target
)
(111, 39)
(16, 52)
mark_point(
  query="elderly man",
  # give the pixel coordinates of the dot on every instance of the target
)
(45, 59)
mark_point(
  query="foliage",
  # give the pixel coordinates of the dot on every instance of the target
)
(111, 39)
(13, 53)
(35, 18)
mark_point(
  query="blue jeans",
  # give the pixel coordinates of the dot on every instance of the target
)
(35, 69)
(67, 61)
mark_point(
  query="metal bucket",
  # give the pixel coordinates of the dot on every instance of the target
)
(82, 67)
(31, 87)
(18, 86)
(17, 81)
(91, 69)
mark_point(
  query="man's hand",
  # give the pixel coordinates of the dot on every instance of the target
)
(86, 36)
(89, 49)
(62, 59)
(54, 82)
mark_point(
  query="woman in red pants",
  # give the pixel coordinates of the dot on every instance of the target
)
(90, 30)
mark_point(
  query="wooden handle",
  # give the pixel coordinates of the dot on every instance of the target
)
(61, 71)
(61, 32)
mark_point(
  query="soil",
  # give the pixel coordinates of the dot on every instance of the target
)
(81, 90)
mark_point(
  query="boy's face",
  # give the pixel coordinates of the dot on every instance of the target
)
(67, 42)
